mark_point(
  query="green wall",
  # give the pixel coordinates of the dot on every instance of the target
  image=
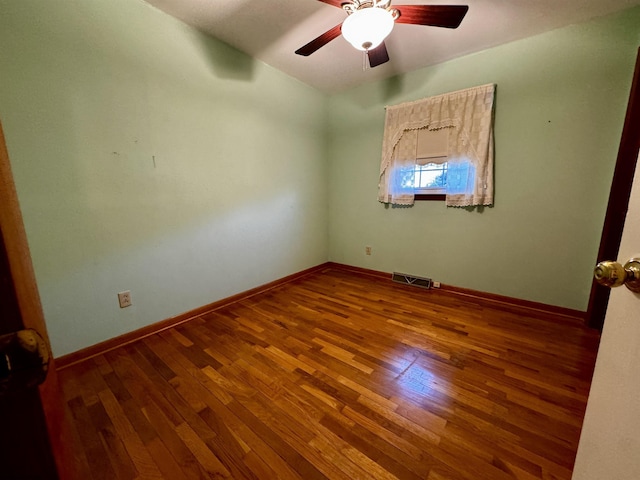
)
(149, 157)
(560, 105)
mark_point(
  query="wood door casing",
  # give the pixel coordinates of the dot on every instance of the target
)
(25, 450)
(32, 444)
(618, 199)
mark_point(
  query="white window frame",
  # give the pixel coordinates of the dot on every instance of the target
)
(429, 190)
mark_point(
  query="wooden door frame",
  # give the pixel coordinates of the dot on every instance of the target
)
(28, 299)
(618, 199)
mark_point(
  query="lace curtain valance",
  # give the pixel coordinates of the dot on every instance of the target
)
(468, 117)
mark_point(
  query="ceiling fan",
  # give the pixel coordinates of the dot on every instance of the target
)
(369, 22)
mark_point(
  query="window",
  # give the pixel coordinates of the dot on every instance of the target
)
(439, 147)
(430, 178)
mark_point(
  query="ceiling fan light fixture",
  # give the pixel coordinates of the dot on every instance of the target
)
(367, 28)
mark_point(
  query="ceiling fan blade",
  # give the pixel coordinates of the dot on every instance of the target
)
(378, 55)
(321, 41)
(447, 16)
(335, 3)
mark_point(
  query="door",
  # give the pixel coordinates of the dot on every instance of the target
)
(33, 440)
(610, 441)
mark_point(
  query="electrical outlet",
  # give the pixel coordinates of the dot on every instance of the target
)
(436, 284)
(367, 250)
(124, 299)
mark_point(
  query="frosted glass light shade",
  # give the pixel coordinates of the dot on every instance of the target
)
(365, 29)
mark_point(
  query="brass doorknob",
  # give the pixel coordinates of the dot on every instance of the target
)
(612, 274)
(24, 360)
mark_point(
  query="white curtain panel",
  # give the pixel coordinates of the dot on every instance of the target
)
(468, 117)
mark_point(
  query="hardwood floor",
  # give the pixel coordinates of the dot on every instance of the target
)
(339, 375)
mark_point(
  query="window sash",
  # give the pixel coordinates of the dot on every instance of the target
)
(431, 169)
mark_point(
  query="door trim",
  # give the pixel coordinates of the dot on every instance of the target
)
(618, 199)
(28, 298)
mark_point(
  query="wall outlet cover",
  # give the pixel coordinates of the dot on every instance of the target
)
(124, 299)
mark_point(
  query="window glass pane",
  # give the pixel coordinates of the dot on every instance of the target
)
(431, 175)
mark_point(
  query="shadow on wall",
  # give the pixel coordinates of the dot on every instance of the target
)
(406, 87)
(392, 87)
(391, 90)
(225, 61)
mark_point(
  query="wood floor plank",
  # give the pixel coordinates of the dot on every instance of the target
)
(114, 446)
(137, 452)
(234, 442)
(90, 441)
(165, 461)
(201, 451)
(339, 375)
(187, 462)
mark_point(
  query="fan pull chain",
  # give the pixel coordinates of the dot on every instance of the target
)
(365, 57)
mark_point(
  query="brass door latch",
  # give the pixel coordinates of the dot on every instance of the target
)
(612, 274)
(24, 360)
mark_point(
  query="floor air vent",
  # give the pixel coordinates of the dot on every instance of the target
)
(411, 280)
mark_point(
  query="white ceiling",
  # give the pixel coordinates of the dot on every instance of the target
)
(271, 30)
